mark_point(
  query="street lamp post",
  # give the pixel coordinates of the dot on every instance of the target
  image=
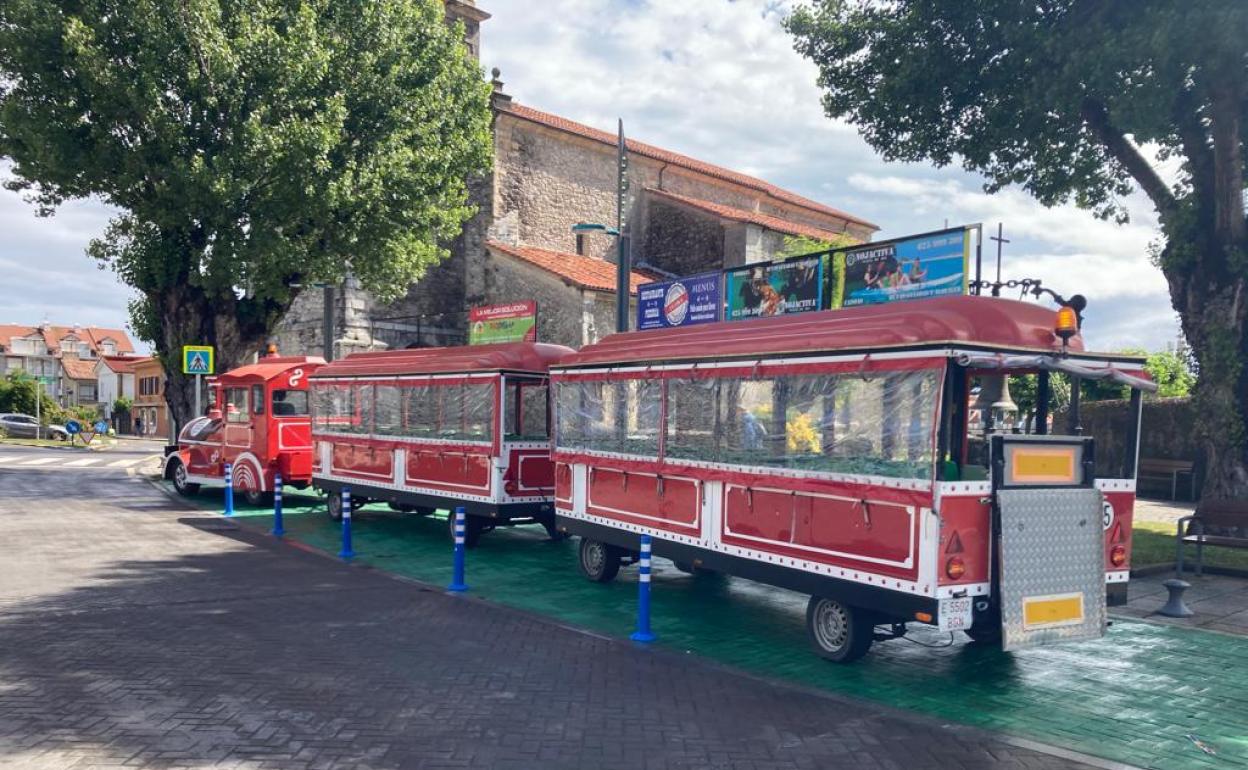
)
(622, 270)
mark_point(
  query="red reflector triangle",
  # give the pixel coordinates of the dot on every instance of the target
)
(955, 544)
(1115, 535)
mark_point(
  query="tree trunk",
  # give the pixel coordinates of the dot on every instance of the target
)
(190, 317)
(1215, 322)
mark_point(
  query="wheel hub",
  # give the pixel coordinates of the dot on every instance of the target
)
(831, 626)
(595, 557)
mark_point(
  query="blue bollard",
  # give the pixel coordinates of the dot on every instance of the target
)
(457, 574)
(278, 529)
(229, 489)
(643, 633)
(346, 553)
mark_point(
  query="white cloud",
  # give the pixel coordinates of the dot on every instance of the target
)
(719, 80)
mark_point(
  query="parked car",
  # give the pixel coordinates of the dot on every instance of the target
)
(25, 426)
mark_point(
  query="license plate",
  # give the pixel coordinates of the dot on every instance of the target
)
(955, 614)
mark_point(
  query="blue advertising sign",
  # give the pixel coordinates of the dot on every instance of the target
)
(683, 302)
(931, 265)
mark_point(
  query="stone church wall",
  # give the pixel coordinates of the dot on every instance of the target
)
(559, 306)
(681, 240)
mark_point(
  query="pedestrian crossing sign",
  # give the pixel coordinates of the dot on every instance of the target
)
(197, 359)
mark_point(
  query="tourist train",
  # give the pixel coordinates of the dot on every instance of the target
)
(258, 422)
(861, 456)
(433, 428)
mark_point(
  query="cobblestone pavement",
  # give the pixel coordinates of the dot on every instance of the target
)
(1163, 511)
(135, 634)
(1220, 602)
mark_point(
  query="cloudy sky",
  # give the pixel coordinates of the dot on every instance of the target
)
(716, 79)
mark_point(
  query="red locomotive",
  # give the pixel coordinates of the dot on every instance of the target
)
(436, 428)
(258, 420)
(837, 454)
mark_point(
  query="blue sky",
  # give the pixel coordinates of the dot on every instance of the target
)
(716, 79)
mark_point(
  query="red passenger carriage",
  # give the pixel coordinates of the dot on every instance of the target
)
(836, 454)
(258, 421)
(440, 427)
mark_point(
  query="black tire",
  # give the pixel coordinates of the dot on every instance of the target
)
(838, 632)
(555, 534)
(598, 561)
(257, 498)
(177, 473)
(985, 630)
(473, 529)
(690, 569)
(423, 510)
(333, 505)
(402, 507)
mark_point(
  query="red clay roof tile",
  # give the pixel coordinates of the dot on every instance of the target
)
(752, 217)
(586, 272)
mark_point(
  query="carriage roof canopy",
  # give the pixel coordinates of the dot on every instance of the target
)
(536, 357)
(958, 320)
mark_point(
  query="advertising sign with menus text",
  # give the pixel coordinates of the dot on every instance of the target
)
(683, 302)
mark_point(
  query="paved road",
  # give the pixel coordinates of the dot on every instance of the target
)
(135, 633)
(126, 457)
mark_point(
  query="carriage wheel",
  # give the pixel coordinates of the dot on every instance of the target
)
(333, 505)
(598, 561)
(838, 632)
(473, 529)
(179, 475)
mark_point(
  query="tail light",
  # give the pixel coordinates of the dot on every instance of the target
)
(1118, 555)
(955, 568)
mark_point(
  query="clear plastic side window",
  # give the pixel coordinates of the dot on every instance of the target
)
(388, 410)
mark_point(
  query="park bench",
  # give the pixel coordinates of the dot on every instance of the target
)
(1167, 472)
(1222, 523)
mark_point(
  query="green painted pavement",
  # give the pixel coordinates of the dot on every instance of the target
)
(1133, 697)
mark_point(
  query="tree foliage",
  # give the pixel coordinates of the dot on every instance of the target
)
(1058, 96)
(17, 394)
(251, 146)
(1171, 372)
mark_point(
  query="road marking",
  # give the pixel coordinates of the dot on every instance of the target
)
(128, 462)
(11, 458)
(41, 461)
(84, 461)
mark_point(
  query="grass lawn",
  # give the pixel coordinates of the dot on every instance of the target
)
(1153, 543)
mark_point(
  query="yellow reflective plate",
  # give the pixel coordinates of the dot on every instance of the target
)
(1042, 465)
(1050, 611)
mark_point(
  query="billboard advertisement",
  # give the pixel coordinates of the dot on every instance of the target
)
(511, 322)
(683, 302)
(931, 265)
(774, 288)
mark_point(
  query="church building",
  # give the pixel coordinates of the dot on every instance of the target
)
(683, 216)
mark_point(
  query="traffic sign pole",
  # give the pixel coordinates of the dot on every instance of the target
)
(198, 388)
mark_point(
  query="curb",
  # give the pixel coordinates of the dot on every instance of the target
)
(257, 537)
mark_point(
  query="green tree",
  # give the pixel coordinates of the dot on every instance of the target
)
(1058, 96)
(797, 245)
(1172, 374)
(17, 394)
(251, 146)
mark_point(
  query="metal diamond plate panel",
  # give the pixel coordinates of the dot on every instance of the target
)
(1052, 566)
